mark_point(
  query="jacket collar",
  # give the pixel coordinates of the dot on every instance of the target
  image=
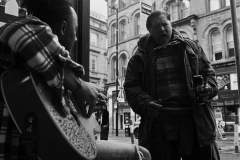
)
(146, 42)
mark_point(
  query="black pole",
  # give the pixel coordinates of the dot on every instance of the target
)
(82, 55)
(236, 48)
(116, 70)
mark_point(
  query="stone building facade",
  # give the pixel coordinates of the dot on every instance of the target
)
(98, 49)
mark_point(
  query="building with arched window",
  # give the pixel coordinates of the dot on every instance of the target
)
(128, 35)
(98, 50)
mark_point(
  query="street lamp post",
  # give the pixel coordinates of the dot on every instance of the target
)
(116, 8)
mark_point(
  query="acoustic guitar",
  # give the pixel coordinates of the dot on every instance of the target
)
(32, 105)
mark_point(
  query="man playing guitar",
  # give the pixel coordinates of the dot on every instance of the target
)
(41, 44)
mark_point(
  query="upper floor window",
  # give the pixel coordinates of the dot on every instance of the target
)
(185, 8)
(217, 4)
(173, 12)
(123, 30)
(122, 4)
(230, 43)
(94, 39)
(123, 65)
(113, 34)
(214, 5)
(216, 45)
(179, 9)
(113, 68)
(93, 62)
(137, 24)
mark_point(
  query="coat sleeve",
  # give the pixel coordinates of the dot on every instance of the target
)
(206, 70)
(136, 95)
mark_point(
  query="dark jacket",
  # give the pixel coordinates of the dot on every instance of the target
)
(139, 86)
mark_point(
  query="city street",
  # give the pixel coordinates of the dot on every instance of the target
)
(226, 147)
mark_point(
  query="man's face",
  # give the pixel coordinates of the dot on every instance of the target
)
(161, 29)
(70, 33)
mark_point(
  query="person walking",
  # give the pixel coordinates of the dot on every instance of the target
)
(177, 121)
(104, 124)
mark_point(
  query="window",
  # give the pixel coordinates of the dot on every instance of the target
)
(94, 39)
(230, 43)
(93, 63)
(113, 34)
(173, 12)
(123, 30)
(137, 24)
(123, 65)
(185, 11)
(227, 2)
(179, 9)
(217, 4)
(214, 5)
(113, 68)
(122, 4)
(216, 45)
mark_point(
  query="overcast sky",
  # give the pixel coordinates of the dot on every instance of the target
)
(99, 6)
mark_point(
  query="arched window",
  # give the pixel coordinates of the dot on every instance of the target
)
(216, 45)
(230, 43)
(113, 34)
(185, 11)
(123, 30)
(113, 68)
(123, 65)
(137, 24)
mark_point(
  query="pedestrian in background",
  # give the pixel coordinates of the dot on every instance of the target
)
(104, 124)
(159, 87)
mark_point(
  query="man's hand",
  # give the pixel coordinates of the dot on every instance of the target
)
(88, 94)
(204, 91)
(152, 108)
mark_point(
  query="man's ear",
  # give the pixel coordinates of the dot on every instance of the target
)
(63, 27)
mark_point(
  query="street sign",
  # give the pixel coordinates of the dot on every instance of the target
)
(145, 11)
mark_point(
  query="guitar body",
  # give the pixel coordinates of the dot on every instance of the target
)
(32, 106)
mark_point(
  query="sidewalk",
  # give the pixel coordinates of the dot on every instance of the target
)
(226, 147)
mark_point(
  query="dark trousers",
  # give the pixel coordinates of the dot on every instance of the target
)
(163, 149)
(104, 132)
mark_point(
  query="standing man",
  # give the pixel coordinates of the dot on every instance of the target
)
(159, 86)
